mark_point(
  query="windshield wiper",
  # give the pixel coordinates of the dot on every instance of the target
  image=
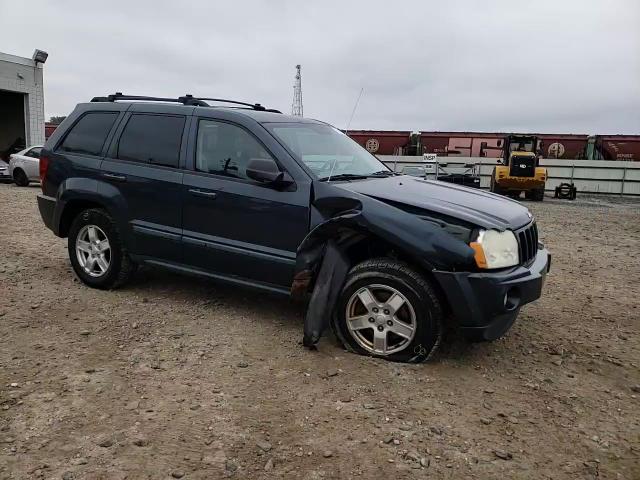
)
(344, 176)
(382, 173)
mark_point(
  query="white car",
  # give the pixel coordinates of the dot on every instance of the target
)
(4, 171)
(24, 166)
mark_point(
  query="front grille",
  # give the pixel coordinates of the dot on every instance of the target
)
(522, 167)
(527, 243)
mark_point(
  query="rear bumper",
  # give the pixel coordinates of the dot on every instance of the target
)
(486, 304)
(47, 207)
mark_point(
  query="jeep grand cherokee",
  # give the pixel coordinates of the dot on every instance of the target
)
(250, 196)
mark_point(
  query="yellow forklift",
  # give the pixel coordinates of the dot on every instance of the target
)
(519, 169)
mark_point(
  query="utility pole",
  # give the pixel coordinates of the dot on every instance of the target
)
(296, 106)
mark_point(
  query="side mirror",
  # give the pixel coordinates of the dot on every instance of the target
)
(265, 170)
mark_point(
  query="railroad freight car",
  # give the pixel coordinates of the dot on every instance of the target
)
(476, 144)
(490, 145)
(463, 144)
(570, 146)
(49, 128)
(616, 147)
(383, 143)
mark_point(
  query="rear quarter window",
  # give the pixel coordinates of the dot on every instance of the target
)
(88, 135)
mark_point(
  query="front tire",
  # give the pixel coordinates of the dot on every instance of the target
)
(97, 255)
(538, 195)
(20, 178)
(388, 310)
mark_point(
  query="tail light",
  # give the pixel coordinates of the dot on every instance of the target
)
(44, 166)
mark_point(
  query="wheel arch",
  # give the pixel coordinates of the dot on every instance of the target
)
(357, 243)
(77, 194)
(72, 209)
(325, 266)
(349, 227)
(376, 246)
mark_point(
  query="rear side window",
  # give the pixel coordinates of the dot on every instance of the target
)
(152, 139)
(87, 136)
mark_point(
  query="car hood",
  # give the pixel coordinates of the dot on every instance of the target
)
(475, 206)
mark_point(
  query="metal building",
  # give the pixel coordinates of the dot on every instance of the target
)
(21, 101)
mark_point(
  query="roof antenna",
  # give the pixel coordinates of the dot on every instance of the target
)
(335, 160)
(354, 110)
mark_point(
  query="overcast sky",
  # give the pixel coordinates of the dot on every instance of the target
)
(559, 66)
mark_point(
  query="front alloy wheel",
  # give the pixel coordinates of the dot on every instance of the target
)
(387, 309)
(380, 319)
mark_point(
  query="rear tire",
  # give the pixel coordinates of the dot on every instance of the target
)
(97, 254)
(407, 329)
(20, 178)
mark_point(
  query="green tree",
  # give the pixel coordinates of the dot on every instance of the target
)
(57, 120)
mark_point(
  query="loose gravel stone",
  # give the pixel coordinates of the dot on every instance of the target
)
(504, 455)
(263, 445)
(105, 442)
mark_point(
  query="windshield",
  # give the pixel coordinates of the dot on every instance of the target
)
(521, 145)
(327, 151)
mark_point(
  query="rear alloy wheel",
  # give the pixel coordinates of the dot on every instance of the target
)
(20, 178)
(96, 252)
(388, 310)
(93, 250)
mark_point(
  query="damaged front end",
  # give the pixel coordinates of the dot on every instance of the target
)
(343, 222)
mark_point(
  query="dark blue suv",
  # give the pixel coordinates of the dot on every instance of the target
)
(289, 205)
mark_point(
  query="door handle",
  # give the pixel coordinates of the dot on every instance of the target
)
(115, 176)
(203, 193)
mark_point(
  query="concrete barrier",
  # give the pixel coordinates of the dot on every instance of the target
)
(589, 176)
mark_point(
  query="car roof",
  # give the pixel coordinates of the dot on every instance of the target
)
(266, 117)
(260, 116)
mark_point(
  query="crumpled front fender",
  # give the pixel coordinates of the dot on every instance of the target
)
(340, 217)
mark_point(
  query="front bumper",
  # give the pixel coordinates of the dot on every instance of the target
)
(520, 183)
(486, 304)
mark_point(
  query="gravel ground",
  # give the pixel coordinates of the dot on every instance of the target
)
(176, 377)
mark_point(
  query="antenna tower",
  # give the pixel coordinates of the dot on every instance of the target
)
(296, 106)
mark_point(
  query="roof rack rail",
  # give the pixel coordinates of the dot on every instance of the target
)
(185, 100)
(254, 106)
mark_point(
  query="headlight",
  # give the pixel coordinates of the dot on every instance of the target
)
(496, 249)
